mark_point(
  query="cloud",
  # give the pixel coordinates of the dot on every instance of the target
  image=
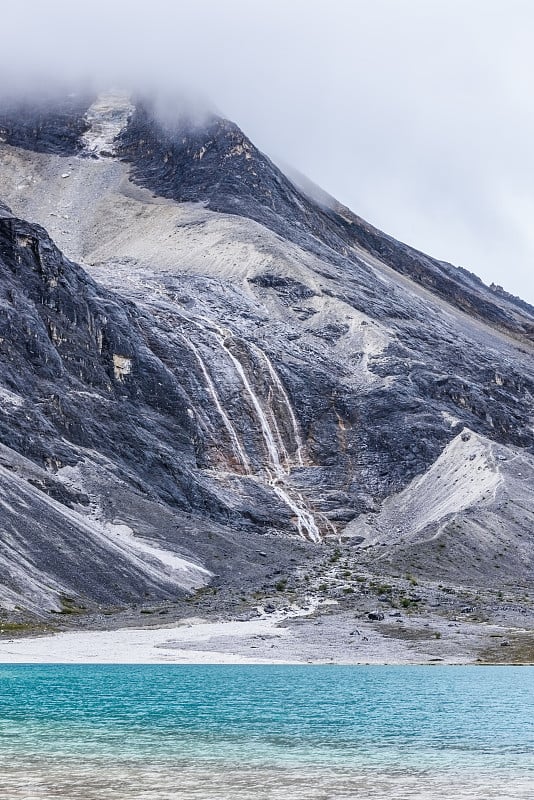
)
(415, 114)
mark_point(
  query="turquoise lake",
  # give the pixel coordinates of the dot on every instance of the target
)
(236, 732)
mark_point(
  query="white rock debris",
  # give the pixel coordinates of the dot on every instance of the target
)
(107, 118)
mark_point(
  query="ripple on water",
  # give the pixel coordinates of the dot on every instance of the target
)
(243, 732)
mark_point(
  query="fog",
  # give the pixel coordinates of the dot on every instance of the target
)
(417, 114)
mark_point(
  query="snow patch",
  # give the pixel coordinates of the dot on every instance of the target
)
(107, 118)
(124, 535)
(115, 542)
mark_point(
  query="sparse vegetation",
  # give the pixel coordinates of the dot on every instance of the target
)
(17, 627)
(336, 555)
(69, 606)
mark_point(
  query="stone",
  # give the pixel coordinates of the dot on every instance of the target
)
(375, 616)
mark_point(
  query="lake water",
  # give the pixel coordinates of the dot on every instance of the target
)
(266, 732)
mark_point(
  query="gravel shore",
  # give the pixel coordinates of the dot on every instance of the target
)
(314, 632)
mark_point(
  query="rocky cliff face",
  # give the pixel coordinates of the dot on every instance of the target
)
(234, 369)
(103, 401)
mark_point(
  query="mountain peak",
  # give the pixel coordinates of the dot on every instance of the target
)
(187, 157)
(235, 356)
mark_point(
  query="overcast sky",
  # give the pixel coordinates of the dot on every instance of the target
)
(418, 114)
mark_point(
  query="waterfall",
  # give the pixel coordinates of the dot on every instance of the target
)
(279, 459)
(266, 429)
(236, 444)
(289, 408)
(306, 525)
(278, 468)
(305, 522)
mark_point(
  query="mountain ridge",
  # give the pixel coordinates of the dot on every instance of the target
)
(233, 357)
(162, 156)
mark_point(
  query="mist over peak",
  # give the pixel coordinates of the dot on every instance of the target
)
(335, 89)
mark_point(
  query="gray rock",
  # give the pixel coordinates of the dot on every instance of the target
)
(138, 400)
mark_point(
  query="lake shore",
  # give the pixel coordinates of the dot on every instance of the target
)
(312, 633)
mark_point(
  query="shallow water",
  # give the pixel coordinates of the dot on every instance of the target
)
(266, 732)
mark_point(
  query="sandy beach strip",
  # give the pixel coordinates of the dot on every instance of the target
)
(161, 645)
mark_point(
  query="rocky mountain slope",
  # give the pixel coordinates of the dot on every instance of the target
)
(236, 373)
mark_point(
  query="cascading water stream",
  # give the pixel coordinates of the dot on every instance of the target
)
(305, 522)
(266, 430)
(306, 525)
(276, 476)
(236, 444)
(289, 408)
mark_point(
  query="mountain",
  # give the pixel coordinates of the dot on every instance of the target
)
(209, 371)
